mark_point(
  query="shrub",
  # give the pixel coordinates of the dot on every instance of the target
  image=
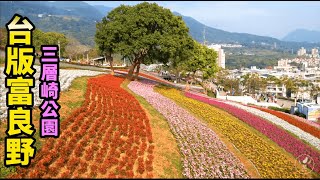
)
(285, 110)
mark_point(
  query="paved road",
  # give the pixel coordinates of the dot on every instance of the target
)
(285, 103)
(95, 68)
(77, 66)
(180, 86)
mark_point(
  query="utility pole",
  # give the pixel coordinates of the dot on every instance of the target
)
(59, 48)
(204, 36)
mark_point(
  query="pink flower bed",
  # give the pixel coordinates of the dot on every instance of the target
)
(204, 155)
(278, 135)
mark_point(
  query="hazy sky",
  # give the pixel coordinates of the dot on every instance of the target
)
(269, 18)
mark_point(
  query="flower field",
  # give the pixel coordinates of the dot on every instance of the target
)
(303, 124)
(204, 154)
(108, 137)
(314, 141)
(268, 158)
(65, 78)
(285, 140)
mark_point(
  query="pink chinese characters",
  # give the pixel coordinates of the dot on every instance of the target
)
(49, 92)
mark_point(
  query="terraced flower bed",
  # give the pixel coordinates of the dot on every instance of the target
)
(109, 136)
(269, 159)
(285, 140)
(65, 78)
(204, 154)
(297, 132)
(305, 125)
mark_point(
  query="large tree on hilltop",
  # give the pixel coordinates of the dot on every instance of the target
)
(144, 33)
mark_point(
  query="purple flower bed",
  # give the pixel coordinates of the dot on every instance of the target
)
(278, 135)
(204, 155)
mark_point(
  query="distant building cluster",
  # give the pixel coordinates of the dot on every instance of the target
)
(230, 45)
(303, 72)
(285, 63)
(221, 60)
(303, 52)
(43, 15)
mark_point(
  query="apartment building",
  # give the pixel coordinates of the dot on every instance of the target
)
(221, 60)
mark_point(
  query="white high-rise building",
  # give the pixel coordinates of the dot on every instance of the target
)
(302, 52)
(221, 60)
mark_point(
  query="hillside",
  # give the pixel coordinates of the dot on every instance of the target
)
(303, 35)
(76, 19)
(214, 35)
(103, 9)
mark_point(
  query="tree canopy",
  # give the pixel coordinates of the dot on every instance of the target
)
(144, 33)
(202, 59)
(74, 48)
(254, 83)
(39, 38)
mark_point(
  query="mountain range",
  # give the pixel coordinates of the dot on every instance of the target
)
(77, 19)
(303, 35)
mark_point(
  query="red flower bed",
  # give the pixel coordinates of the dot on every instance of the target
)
(107, 137)
(304, 126)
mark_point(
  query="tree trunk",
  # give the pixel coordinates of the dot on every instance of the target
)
(109, 58)
(131, 69)
(187, 86)
(177, 77)
(137, 71)
(111, 65)
(205, 86)
(188, 80)
(193, 79)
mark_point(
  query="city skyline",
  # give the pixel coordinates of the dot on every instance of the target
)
(274, 19)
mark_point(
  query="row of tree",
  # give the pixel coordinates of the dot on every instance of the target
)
(39, 38)
(148, 33)
(253, 83)
(69, 46)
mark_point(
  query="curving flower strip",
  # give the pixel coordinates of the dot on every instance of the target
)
(109, 136)
(204, 154)
(270, 160)
(285, 140)
(312, 123)
(314, 141)
(301, 123)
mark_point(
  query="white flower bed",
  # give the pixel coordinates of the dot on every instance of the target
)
(314, 141)
(65, 78)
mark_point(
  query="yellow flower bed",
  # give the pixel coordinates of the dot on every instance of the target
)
(267, 157)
